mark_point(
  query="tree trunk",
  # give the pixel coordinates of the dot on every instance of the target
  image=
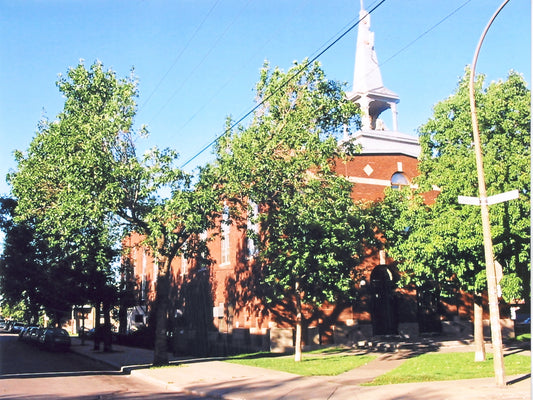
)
(35, 316)
(122, 319)
(161, 304)
(83, 326)
(126, 297)
(107, 335)
(298, 338)
(479, 340)
(97, 327)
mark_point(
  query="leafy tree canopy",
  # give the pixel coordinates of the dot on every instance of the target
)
(84, 185)
(35, 274)
(445, 239)
(311, 234)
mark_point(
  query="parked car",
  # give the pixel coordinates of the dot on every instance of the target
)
(55, 339)
(16, 327)
(36, 334)
(25, 334)
(86, 333)
(23, 331)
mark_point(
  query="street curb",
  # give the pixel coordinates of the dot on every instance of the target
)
(137, 373)
(95, 358)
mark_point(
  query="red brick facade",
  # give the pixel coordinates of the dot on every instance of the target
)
(372, 173)
(232, 304)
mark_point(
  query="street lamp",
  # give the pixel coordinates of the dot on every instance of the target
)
(496, 333)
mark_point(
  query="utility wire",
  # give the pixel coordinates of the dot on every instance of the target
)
(235, 74)
(178, 57)
(195, 69)
(318, 55)
(285, 83)
(425, 33)
(339, 32)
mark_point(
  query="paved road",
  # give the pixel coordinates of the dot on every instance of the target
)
(23, 358)
(27, 372)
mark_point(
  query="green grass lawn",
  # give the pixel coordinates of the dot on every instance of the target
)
(424, 368)
(451, 366)
(525, 337)
(330, 363)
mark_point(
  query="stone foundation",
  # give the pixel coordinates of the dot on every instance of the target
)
(281, 340)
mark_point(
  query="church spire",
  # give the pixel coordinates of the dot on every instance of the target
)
(368, 89)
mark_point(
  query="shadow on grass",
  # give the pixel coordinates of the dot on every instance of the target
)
(254, 356)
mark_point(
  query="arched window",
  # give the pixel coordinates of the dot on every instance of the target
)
(252, 229)
(398, 180)
(225, 228)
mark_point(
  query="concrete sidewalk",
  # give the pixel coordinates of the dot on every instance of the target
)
(121, 357)
(217, 379)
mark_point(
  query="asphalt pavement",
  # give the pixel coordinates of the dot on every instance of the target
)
(214, 378)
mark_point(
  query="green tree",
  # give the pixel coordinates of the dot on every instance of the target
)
(21, 277)
(15, 312)
(62, 182)
(84, 184)
(443, 242)
(35, 273)
(311, 234)
(168, 223)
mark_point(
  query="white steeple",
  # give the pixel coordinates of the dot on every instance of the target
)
(368, 89)
(373, 98)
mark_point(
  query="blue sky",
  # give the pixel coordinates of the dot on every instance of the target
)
(198, 60)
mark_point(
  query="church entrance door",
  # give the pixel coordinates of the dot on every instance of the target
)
(384, 313)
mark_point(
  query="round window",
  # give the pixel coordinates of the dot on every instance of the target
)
(398, 180)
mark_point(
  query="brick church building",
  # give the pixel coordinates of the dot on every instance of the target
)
(207, 302)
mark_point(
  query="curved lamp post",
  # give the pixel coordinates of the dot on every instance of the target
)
(496, 333)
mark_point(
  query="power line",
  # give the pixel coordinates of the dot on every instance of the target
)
(317, 56)
(213, 46)
(425, 33)
(283, 84)
(178, 57)
(346, 26)
(236, 73)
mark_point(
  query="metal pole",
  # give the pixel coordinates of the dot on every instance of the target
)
(531, 177)
(496, 332)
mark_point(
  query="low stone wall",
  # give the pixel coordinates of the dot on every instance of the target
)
(408, 330)
(260, 339)
(281, 340)
(348, 335)
(184, 341)
(457, 328)
(222, 344)
(506, 324)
